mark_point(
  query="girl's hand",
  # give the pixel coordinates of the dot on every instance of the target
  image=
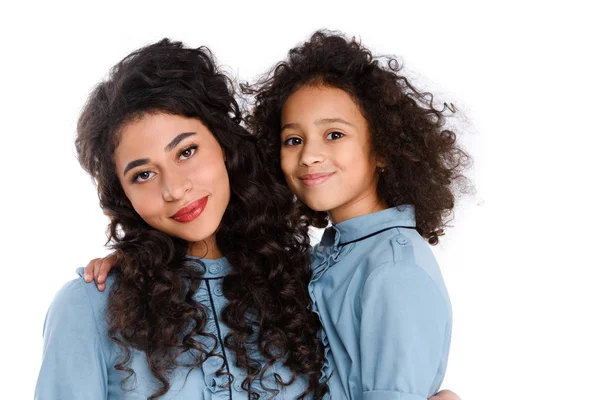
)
(98, 269)
(445, 395)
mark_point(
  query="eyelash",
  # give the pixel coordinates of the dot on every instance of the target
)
(340, 133)
(287, 141)
(194, 147)
(134, 178)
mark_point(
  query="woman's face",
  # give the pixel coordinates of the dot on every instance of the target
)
(172, 170)
(326, 154)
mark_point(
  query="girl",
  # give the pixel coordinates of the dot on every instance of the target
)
(365, 151)
(361, 148)
(210, 300)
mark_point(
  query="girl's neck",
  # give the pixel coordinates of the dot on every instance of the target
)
(367, 204)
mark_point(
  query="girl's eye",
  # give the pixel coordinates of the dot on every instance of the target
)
(143, 176)
(187, 152)
(293, 141)
(335, 135)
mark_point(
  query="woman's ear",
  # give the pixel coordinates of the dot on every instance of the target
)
(380, 163)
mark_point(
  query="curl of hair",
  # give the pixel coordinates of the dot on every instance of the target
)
(151, 307)
(423, 162)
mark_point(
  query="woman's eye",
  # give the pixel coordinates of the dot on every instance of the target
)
(293, 141)
(143, 176)
(187, 153)
(335, 136)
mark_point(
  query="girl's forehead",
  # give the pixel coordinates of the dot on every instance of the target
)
(325, 100)
(322, 106)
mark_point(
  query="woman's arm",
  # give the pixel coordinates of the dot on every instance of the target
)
(73, 363)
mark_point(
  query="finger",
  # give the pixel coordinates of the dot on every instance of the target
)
(107, 264)
(97, 264)
(101, 286)
(446, 395)
(88, 272)
(105, 267)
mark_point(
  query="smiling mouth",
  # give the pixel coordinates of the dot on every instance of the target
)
(311, 180)
(191, 211)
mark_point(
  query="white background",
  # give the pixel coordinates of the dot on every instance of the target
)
(520, 261)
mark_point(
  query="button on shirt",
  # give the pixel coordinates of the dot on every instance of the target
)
(79, 358)
(385, 311)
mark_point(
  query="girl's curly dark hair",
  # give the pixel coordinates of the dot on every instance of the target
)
(151, 307)
(424, 164)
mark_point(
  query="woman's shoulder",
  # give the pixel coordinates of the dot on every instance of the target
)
(77, 350)
(78, 301)
(79, 290)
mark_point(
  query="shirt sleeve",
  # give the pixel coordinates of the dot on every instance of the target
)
(404, 327)
(73, 364)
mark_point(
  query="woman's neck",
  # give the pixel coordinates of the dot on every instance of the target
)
(205, 249)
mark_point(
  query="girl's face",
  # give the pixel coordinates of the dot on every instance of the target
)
(326, 154)
(172, 170)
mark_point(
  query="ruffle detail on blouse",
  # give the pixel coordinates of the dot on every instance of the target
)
(217, 387)
(327, 368)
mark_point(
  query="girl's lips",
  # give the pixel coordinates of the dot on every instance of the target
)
(191, 211)
(314, 179)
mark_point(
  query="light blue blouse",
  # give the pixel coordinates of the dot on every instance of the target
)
(384, 308)
(79, 358)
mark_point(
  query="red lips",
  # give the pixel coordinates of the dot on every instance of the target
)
(191, 211)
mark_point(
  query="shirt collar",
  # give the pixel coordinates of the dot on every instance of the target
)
(365, 225)
(211, 268)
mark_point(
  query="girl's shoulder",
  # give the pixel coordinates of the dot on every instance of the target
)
(403, 247)
(403, 253)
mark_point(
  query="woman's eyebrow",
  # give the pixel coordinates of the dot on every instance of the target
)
(135, 163)
(177, 140)
(172, 144)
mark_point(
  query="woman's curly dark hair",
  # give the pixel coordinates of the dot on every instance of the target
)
(423, 162)
(151, 307)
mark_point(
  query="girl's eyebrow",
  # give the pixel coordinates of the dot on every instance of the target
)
(172, 144)
(323, 121)
(290, 126)
(326, 121)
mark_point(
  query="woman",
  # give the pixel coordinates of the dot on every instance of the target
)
(210, 299)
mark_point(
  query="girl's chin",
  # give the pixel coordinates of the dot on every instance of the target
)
(320, 206)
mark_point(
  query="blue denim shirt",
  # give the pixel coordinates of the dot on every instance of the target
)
(385, 311)
(79, 358)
